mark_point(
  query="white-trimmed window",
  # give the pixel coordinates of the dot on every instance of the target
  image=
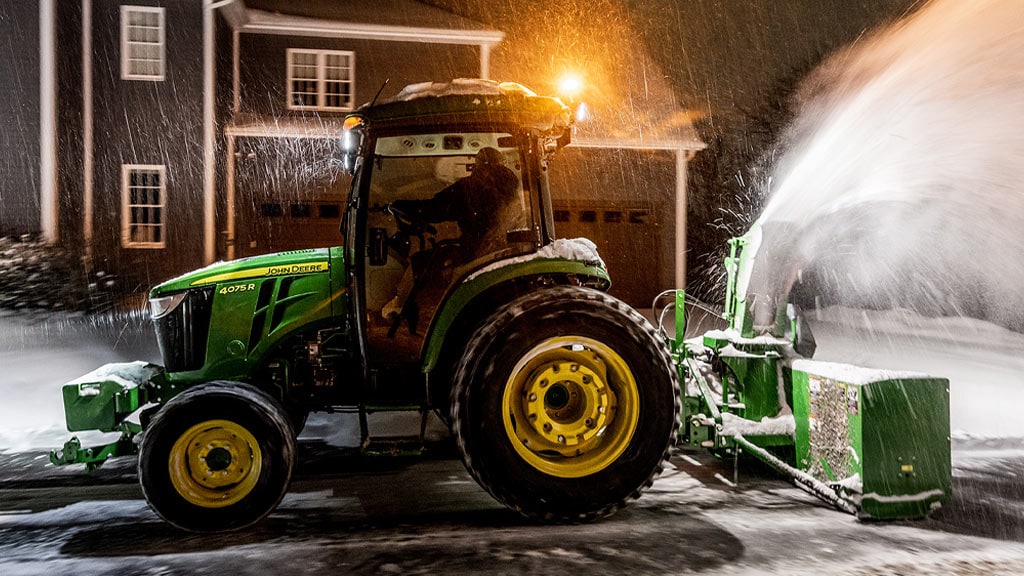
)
(143, 206)
(321, 79)
(142, 43)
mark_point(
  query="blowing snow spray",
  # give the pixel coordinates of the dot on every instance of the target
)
(899, 182)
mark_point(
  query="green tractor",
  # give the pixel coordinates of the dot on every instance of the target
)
(450, 295)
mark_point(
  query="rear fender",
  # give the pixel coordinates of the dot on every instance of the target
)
(476, 284)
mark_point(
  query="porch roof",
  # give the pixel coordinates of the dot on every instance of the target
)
(400, 20)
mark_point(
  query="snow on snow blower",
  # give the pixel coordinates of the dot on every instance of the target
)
(564, 402)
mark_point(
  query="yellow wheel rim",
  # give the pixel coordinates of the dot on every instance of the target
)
(215, 463)
(570, 406)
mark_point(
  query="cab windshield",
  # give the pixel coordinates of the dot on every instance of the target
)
(440, 206)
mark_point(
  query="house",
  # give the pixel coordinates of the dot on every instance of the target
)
(161, 135)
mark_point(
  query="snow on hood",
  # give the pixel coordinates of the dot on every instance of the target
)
(128, 374)
(579, 249)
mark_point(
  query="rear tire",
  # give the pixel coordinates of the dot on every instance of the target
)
(217, 457)
(565, 405)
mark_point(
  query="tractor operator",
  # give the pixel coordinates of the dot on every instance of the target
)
(475, 203)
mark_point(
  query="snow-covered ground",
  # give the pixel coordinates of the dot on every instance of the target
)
(39, 353)
(427, 516)
(984, 363)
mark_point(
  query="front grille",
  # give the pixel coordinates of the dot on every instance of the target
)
(182, 333)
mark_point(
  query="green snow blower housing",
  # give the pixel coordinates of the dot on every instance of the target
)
(872, 442)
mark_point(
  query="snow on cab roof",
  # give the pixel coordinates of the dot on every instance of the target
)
(460, 86)
(469, 100)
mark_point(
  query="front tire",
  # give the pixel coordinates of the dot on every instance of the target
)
(217, 457)
(565, 405)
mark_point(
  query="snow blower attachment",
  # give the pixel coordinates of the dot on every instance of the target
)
(871, 442)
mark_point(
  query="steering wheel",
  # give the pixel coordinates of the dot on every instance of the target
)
(410, 225)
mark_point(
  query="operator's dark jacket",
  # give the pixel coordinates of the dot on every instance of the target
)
(474, 202)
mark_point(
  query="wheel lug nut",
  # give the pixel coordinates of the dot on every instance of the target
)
(532, 398)
(547, 427)
(561, 439)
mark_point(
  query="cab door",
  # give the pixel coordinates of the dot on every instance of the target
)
(416, 251)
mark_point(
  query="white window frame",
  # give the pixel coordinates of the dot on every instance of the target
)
(126, 206)
(126, 66)
(321, 79)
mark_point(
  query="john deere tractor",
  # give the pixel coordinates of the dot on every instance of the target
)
(452, 295)
(562, 400)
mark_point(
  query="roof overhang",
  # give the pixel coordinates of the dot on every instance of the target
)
(254, 126)
(261, 22)
(634, 144)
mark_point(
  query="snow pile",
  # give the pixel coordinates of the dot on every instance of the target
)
(579, 249)
(983, 362)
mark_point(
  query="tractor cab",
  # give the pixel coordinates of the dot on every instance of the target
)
(448, 180)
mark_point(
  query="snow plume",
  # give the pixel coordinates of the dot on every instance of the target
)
(901, 183)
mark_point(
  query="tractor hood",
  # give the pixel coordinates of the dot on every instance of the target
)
(295, 262)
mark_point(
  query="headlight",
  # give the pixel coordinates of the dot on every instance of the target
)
(160, 307)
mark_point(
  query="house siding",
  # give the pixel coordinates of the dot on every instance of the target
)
(145, 122)
(264, 67)
(19, 117)
(299, 179)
